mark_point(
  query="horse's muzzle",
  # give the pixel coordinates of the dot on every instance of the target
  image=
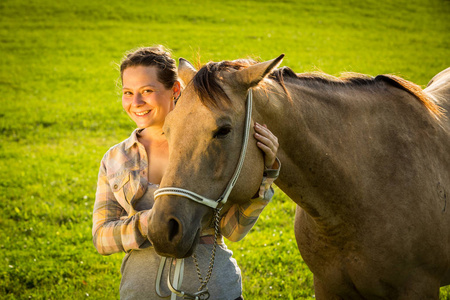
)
(169, 233)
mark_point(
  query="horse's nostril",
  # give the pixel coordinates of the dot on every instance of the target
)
(174, 228)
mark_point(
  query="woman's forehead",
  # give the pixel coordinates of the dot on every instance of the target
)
(140, 76)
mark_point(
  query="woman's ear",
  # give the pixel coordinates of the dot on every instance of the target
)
(176, 90)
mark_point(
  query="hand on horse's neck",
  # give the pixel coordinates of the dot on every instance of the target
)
(157, 149)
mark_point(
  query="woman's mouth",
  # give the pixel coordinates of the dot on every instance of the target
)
(142, 113)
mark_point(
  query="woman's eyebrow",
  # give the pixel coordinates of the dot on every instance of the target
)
(146, 85)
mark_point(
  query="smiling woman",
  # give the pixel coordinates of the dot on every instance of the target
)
(145, 99)
(131, 171)
(149, 78)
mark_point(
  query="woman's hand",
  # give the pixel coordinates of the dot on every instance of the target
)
(268, 143)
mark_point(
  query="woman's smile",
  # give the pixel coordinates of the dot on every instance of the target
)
(142, 113)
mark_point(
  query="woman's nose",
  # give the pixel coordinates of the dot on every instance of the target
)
(137, 99)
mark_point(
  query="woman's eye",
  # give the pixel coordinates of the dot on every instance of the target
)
(127, 93)
(222, 132)
(147, 91)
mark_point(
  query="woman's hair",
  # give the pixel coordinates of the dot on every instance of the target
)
(157, 56)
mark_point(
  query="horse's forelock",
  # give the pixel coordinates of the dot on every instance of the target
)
(206, 85)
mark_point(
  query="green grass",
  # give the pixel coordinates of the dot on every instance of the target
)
(60, 112)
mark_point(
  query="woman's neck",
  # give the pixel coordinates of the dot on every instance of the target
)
(153, 135)
(156, 147)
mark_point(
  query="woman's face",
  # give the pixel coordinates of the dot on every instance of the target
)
(144, 98)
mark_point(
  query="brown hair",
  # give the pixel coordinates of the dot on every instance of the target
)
(152, 56)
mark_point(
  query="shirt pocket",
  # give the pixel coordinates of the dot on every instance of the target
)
(119, 184)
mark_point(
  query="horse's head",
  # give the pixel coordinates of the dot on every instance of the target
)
(205, 133)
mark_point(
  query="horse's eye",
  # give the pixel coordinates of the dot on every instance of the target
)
(222, 132)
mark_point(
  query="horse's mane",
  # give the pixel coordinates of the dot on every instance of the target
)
(211, 94)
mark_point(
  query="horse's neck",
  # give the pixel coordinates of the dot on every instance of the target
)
(312, 141)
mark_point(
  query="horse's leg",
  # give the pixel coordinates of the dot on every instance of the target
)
(446, 279)
(420, 287)
(321, 292)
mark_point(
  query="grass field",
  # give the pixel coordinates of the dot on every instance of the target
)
(61, 111)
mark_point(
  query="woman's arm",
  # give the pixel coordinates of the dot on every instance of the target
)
(113, 231)
(240, 218)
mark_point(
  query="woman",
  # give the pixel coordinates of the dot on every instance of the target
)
(131, 171)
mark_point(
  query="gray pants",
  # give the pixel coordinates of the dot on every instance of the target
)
(140, 267)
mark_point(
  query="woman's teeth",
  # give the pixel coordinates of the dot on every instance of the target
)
(142, 113)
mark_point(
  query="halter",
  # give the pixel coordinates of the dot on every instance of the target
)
(214, 204)
(222, 199)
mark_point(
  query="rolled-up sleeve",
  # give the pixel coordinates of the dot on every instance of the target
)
(113, 230)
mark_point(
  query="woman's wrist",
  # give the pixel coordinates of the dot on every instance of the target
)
(274, 170)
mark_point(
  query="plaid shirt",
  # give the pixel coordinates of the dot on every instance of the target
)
(120, 226)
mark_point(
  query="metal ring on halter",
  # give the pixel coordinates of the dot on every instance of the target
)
(159, 276)
(201, 295)
(222, 199)
(178, 279)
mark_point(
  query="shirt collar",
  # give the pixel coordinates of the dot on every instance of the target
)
(133, 139)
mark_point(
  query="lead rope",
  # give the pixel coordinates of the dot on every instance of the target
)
(213, 254)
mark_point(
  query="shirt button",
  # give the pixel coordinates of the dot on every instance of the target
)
(116, 186)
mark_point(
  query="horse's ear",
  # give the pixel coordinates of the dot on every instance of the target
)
(252, 75)
(186, 70)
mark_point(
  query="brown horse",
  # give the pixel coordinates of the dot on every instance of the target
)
(367, 160)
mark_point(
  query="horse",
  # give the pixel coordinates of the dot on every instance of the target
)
(366, 160)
